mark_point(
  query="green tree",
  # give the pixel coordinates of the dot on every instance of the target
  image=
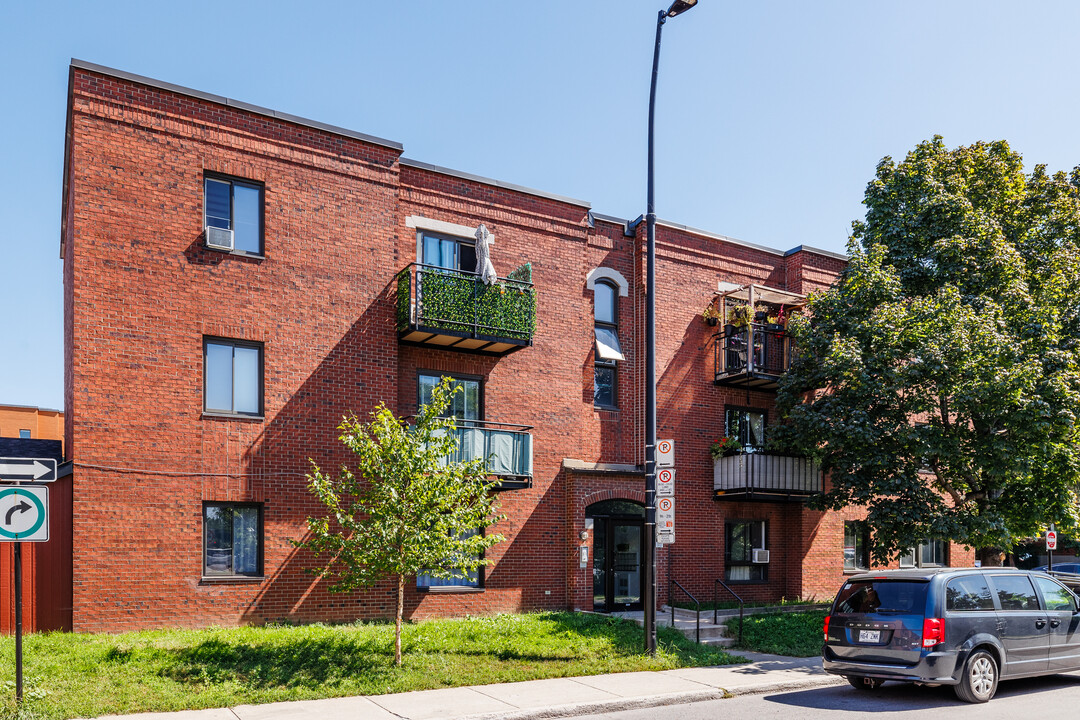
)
(407, 508)
(938, 381)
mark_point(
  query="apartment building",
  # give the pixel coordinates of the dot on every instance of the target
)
(237, 279)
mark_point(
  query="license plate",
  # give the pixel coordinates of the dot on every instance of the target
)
(869, 636)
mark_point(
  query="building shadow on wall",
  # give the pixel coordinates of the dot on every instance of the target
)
(352, 378)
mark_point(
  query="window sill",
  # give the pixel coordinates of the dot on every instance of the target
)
(605, 408)
(230, 579)
(232, 416)
(236, 253)
(856, 571)
(450, 590)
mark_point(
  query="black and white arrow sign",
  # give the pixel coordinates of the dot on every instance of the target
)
(27, 469)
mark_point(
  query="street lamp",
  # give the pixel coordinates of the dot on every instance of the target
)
(677, 8)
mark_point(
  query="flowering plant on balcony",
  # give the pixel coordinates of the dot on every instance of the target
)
(724, 446)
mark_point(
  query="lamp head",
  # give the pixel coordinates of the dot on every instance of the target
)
(680, 6)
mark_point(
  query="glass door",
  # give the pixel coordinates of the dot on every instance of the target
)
(617, 556)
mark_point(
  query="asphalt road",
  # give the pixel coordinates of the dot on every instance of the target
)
(1053, 698)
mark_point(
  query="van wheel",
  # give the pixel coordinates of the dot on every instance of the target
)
(865, 683)
(980, 679)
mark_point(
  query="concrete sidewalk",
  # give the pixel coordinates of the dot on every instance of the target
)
(559, 697)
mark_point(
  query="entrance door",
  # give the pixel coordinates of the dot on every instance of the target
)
(617, 555)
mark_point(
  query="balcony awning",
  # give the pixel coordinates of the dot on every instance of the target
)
(763, 293)
(607, 345)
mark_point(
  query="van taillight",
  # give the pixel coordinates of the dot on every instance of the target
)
(933, 632)
(826, 628)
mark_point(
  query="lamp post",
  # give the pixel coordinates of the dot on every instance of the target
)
(677, 8)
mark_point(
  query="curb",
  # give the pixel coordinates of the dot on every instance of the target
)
(621, 704)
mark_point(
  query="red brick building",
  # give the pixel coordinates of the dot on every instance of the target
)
(236, 280)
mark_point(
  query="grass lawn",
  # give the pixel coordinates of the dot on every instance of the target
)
(795, 634)
(80, 675)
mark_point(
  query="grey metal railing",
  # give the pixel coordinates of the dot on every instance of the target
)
(671, 601)
(766, 472)
(756, 348)
(507, 448)
(716, 602)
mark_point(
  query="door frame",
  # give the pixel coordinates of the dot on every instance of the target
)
(610, 521)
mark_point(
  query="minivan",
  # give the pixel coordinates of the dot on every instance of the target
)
(967, 627)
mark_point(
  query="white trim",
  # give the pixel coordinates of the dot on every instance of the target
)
(603, 273)
(443, 227)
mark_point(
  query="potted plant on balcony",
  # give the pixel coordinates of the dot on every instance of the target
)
(711, 315)
(776, 322)
(761, 312)
(738, 315)
(724, 446)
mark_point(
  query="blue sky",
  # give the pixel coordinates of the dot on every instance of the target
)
(772, 115)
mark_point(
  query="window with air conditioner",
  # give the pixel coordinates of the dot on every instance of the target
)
(233, 215)
(745, 554)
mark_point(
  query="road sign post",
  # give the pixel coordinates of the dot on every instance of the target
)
(24, 516)
(1051, 546)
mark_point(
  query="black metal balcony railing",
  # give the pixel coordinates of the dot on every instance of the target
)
(755, 355)
(506, 448)
(765, 476)
(455, 309)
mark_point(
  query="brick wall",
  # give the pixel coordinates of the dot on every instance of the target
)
(141, 292)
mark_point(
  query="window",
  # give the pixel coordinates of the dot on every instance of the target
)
(24, 434)
(929, 553)
(466, 404)
(447, 252)
(1055, 595)
(856, 545)
(238, 206)
(968, 593)
(608, 350)
(1015, 592)
(232, 539)
(232, 371)
(471, 579)
(741, 538)
(747, 425)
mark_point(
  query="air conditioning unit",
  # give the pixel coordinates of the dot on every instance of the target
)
(761, 557)
(219, 238)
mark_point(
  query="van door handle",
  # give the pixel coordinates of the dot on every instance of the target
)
(1040, 624)
(1055, 623)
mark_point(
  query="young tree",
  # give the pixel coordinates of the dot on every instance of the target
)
(407, 509)
(938, 382)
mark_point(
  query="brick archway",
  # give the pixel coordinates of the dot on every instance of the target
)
(637, 496)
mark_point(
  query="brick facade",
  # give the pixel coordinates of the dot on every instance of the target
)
(142, 291)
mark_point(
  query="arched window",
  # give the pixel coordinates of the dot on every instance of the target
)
(608, 350)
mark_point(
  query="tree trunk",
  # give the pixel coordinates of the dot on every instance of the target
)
(990, 556)
(397, 623)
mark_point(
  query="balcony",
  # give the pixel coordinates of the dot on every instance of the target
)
(753, 349)
(507, 448)
(455, 310)
(753, 356)
(765, 476)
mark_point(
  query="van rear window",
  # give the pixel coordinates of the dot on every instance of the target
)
(882, 596)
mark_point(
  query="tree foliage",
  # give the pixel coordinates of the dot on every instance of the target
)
(938, 381)
(406, 509)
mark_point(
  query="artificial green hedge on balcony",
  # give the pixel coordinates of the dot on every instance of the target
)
(462, 302)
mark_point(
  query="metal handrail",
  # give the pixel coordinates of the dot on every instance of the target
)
(671, 601)
(716, 603)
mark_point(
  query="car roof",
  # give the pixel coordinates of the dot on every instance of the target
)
(928, 573)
